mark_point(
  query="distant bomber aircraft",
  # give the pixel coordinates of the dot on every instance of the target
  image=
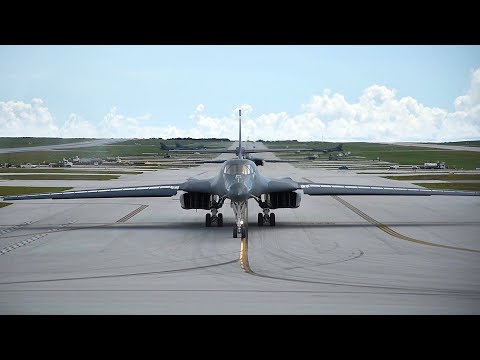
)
(239, 180)
(247, 152)
(258, 161)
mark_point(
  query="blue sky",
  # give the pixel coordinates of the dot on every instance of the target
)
(157, 88)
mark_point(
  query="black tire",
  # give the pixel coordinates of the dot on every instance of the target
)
(272, 219)
(235, 232)
(260, 219)
(220, 220)
(208, 220)
(244, 232)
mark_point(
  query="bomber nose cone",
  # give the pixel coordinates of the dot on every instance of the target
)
(238, 192)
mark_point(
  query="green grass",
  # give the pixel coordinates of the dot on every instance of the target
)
(347, 146)
(22, 190)
(149, 142)
(403, 155)
(454, 159)
(398, 154)
(451, 186)
(436, 177)
(145, 148)
(410, 155)
(208, 143)
(3, 204)
(461, 143)
(46, 157)
(103, 152)
(167, 166)
(12, 142)
(58, 177)
(67, 171)
(297, 144)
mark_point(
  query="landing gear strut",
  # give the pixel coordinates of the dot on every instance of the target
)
(241, 215)
(266, 218)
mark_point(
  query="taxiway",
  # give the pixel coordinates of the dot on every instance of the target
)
(332, 255)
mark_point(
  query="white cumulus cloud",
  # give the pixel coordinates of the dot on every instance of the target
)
(470, 102)
(26, 119)
(76, 126)
(377, 115)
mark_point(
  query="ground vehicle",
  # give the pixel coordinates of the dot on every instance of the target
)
(28, 165)
(343, 167)
(63, 163)
(434, 165)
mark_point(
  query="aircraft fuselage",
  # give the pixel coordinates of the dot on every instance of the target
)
(239, 180)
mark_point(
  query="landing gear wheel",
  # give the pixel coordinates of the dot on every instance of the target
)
(244, 232)
(272, 219)
(260, 219)
(208, 220)
(235, 233)
(220, 220)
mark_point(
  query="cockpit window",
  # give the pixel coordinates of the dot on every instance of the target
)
(238, 169)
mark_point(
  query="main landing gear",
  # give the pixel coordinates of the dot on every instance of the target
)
(266, 218)
(214, 218)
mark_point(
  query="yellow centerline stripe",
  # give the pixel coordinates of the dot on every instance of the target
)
(392, 232)
(244, 255)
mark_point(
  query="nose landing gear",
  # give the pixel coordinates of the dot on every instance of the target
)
(242, 230)
(241, 215)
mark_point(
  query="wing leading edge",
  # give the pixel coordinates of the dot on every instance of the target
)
(340, 189)
(140, 191)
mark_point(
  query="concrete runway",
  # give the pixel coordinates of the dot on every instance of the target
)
(68, 146)
(332, 255)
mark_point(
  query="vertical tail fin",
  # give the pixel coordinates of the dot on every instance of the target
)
(240, 134)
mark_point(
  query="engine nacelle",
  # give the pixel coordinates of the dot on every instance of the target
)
(196, 200)
(284, 199)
